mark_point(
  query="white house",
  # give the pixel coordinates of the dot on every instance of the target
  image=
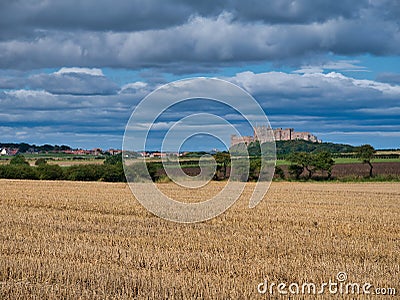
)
(3, 151)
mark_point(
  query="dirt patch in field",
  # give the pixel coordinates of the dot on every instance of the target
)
(339, 170)
(381, 168)
(358, 170)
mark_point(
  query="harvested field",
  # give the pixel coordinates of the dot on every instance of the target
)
(94, 240)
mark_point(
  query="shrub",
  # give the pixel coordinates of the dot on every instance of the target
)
(254, 169)
(50, 172)
(163, 179)
(40, 161)
(279, 172)
(109, 173)
(113, 159)
(18, 171)
(113, 173)
(84, 173)
(19, 159)
(152, 168)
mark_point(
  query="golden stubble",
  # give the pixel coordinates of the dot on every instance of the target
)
(94, 240)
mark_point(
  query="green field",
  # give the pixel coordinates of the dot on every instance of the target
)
(70, 159)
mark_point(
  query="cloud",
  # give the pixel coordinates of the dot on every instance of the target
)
(202, 35)
(86, 71)
(320, 103)
(326, 103)
(68, 81)
(134, 87)
(74, 81)
(333, 88)
(57, 135)
(27, 18)
(11, 83)
(389, 77)
(341, 65)
(394, 111)
(25, 106)
(93, 15)
(158, 38)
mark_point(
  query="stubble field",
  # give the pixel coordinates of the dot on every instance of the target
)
(94, 240)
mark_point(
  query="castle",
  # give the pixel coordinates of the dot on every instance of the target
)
(263, 134)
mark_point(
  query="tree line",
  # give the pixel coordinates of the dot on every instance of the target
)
(18, 168)
(309, 163)
(285, 148)
(112, 169)
(24, 147)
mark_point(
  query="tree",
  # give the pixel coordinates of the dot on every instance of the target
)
(223, 159)
(254, 149)
(19, 159)
(323, 161)
(295, 170)
(366, 153)
(303, 161)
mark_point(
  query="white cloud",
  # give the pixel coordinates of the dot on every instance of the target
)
(134, 87)
(340, 65)
(333, 84)
(387, 111)
(75, 70)
(27, 93)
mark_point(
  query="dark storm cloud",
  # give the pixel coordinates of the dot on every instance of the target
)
(182, 37)
(133, 15)
(25, 17)
(199, 41)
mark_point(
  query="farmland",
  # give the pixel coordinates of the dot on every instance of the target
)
(338, 161)
(94, 240)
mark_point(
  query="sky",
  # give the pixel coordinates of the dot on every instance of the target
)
(72, 72)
